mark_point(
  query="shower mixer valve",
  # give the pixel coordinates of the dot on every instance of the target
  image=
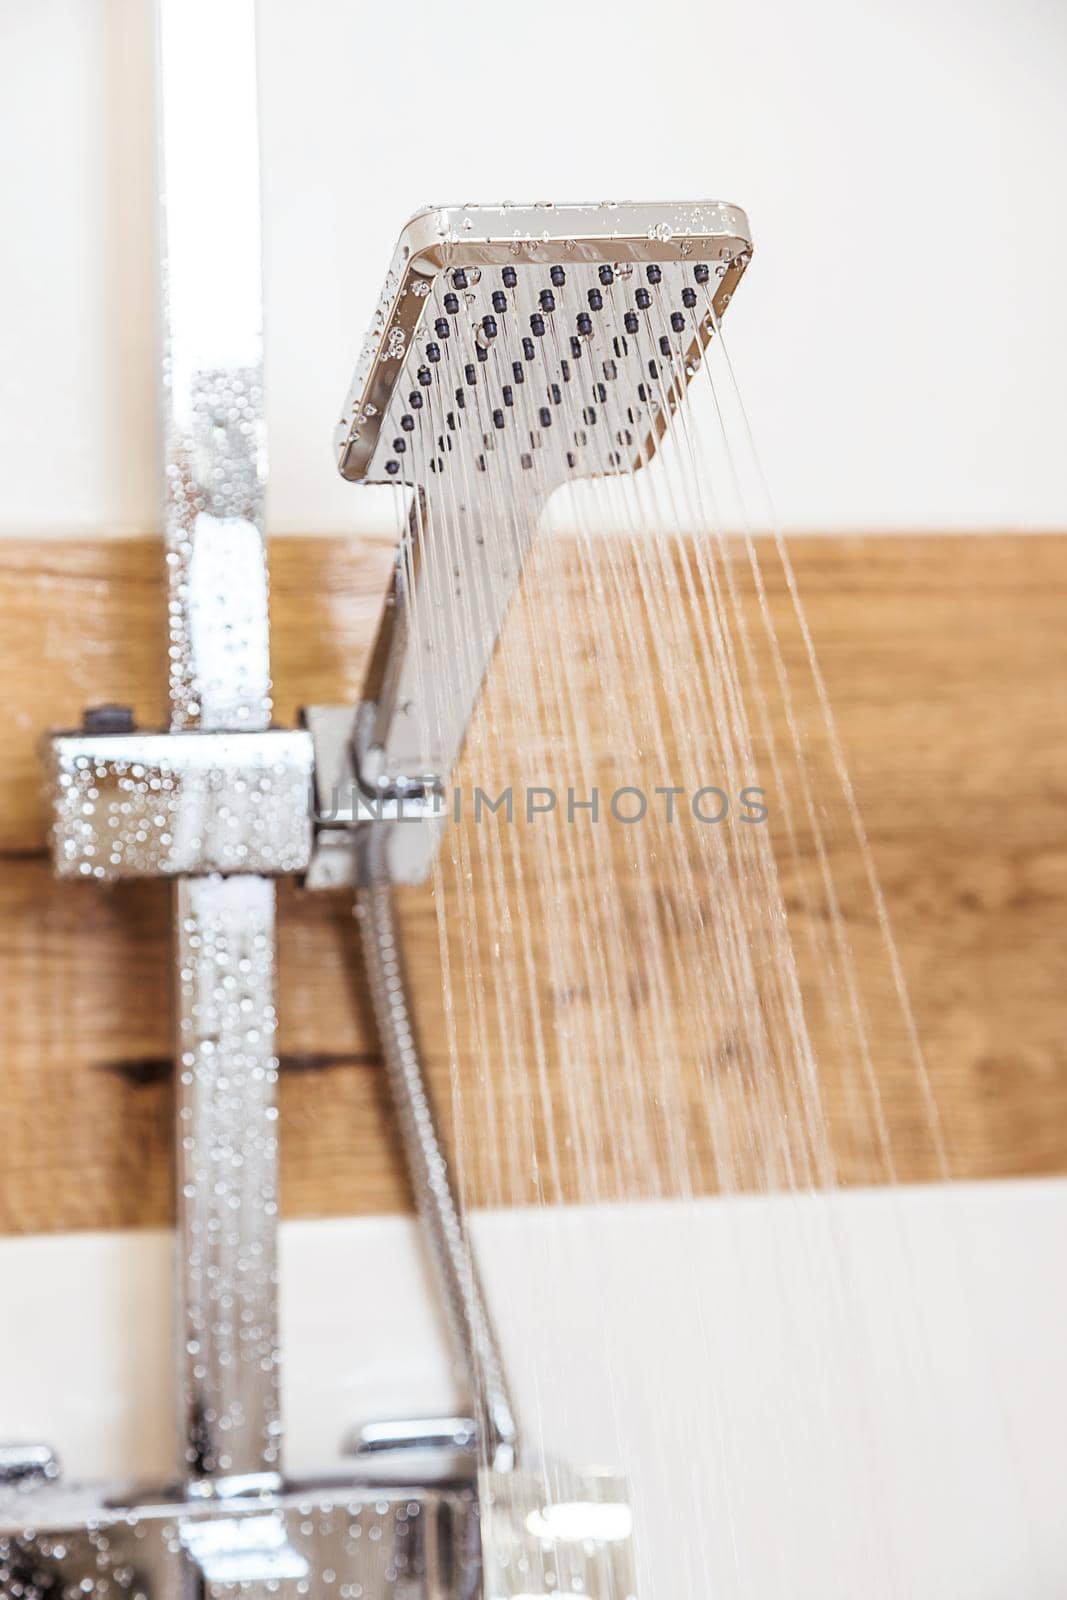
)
(497, 328)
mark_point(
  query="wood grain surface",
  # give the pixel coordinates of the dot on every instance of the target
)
(946, 661)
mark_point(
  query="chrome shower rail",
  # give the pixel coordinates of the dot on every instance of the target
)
(214, 469)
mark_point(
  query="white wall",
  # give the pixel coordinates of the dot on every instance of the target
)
(902, 336)
(889, 1417)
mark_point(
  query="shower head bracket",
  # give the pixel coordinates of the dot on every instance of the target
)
(354, 800)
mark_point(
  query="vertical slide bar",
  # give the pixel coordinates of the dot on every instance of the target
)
(227, 1185)
(215, 472)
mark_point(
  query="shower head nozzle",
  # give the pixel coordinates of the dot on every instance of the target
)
(481, 300)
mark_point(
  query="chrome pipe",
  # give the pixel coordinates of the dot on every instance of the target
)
(219, 672)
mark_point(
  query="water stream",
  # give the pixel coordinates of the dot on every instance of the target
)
(662, 944)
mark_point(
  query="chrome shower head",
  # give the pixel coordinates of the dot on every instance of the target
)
(514, 349)
(480, 300)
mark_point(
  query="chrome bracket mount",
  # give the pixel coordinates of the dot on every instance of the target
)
(179, 804)
(274, 802)
(359, 812)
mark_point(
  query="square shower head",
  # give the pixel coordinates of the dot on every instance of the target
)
(492, 315)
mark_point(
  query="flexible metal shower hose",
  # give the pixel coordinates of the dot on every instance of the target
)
(431, 1179)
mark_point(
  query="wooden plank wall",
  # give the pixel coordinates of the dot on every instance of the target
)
(946, 660)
